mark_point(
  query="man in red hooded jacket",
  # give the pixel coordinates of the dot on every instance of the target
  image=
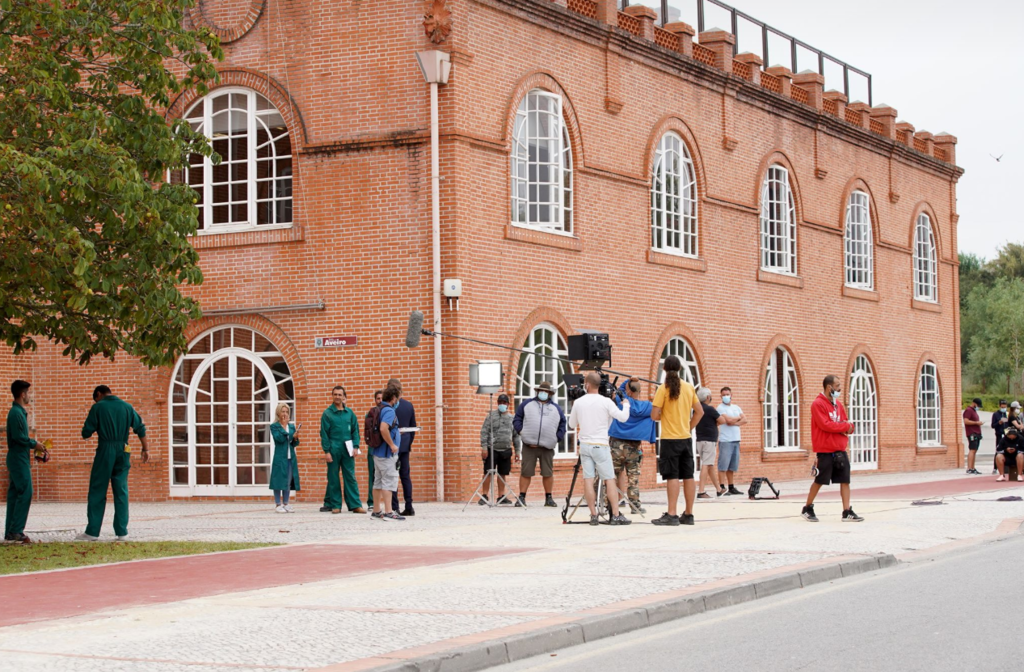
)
(830, 430)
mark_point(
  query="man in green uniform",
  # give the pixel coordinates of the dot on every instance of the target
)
(338, 427)
(19, 470)
(111, 418)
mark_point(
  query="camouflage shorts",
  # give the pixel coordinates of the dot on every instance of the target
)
(627, 455)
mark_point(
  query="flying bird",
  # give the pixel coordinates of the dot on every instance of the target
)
(997, 158)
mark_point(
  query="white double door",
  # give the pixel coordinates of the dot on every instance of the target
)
(230, 408)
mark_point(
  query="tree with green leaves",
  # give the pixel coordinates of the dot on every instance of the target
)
(95, 241)
(996, 315)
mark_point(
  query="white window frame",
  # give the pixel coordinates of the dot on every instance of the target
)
(929, 408)
(233, 342)
(926, 287)
(859, 247)
(781, 363)
(863, 410)
(535, 106)
(674, 199)
(778, 222)
(255, 118)
(546, 339)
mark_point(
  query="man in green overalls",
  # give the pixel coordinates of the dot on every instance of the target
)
(19, 469)
(111, 418)
(338, 427)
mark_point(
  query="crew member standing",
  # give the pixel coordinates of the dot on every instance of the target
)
(972, 428)
(371, 434)
(499, 445)
(540, 422)
(406, 422)
(830, 434)
(111, 418)
(19, 464)
(339, 428)
(999, 421)
(624, 439)
(677, 408)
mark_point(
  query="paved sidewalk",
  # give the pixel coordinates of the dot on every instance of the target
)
(459, 576)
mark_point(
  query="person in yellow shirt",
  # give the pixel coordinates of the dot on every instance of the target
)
(677, 409)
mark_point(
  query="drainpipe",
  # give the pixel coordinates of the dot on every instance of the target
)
(435, 66)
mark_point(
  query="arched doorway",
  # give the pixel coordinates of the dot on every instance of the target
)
(223, 395)
(864, 415)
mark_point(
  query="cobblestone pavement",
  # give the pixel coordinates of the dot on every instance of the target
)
(577, 567)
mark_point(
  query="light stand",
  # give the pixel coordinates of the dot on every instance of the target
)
(488, 378)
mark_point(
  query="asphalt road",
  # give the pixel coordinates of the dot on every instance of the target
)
(932, 615)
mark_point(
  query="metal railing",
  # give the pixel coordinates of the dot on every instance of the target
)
(766, 30)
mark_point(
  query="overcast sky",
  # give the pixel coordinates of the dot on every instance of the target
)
(945, 66)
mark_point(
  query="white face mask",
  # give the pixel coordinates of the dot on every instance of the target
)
(727, 400)
(835, 395)
(543, 396)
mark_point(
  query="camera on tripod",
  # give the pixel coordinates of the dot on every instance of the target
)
(594, 350)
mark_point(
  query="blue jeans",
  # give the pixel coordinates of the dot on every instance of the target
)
(284, 494)
(728, 455)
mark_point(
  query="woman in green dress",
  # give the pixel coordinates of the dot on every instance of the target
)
(284, 471)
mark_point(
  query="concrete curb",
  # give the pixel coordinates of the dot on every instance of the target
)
(517, 647)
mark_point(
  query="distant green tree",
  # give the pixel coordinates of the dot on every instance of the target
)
(973, 273)
(996, 316)
(95, 249)
(1009, 262)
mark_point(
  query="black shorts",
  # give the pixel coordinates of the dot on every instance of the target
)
(973, 442)
(833, 468)
(1011, 458)
(675, 460)
(502, 462)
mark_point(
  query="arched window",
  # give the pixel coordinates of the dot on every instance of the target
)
(925, 262)
(859, 253)
(673, 198)
(680, 347)
(929, 420)
(781, 403)
(541, 164)
(778, 222)
(864, 415)
(534, 369)
(252, 185)
(223, 396)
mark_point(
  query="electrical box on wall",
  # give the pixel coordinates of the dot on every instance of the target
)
(452, 289)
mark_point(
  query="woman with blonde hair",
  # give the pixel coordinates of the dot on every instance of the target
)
(284, 470)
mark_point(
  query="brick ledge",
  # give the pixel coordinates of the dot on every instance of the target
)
(784, 455)
(676, 261)
(917, 304)
(536, 237)
(209, 241)
(780, 279)
(863, 294)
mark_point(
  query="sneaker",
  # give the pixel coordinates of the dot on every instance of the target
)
(734, 491)
(288, 508)
(1001, 478)
(594, 520)
(376, 514)
(325, 509)
(686, 519)
(482, 501)
(20, 538)
(720, 492)
(520, 501)
(86, 537)
(703, 495)
(850, 517)
(408, 511)
(280, 509)
(666, 520)
(808, 513)
(393, 516)
(123, 537)
(620, 520)
(503, 500)
(550, 501)
(1020, 477)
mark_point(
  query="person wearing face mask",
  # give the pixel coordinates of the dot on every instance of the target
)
(499, 445)
(830, 432)
(731, 419)
(540, 422)
(1000, 419)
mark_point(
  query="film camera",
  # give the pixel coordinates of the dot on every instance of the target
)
(594, 350)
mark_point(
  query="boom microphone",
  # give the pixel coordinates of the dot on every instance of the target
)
(412, 334)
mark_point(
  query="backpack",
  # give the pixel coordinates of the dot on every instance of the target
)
(371, 427)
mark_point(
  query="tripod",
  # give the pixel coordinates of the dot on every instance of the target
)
(491, 472)
(601, 499)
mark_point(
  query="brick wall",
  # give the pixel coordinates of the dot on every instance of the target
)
(344, 76)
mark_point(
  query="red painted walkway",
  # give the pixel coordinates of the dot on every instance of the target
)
(74, 592)
(950, 488)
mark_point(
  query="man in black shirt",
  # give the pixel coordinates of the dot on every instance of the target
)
(707, 444)
(1010, 450)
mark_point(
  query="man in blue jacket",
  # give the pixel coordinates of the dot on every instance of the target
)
(540, 423)
(625, 439)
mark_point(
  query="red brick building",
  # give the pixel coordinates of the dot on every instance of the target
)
(597, 171)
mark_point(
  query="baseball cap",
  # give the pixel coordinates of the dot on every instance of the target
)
(502, 398)
(977, 400)
(1002, 402)
(1010, 430)
(1015, 404)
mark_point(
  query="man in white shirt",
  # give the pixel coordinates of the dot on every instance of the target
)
(732, 419)
(593, 415)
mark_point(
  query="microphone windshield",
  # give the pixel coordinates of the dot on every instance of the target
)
(412, 334)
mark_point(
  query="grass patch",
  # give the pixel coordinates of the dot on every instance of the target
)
(16, 558)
